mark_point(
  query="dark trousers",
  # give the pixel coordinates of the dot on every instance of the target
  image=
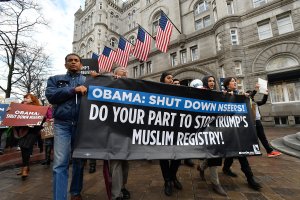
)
(245, 167)
(262, 136)
(25, 156)
(211, 162)
(169, 169)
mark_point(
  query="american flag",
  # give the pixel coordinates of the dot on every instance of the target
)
(106, 59)
(123, 51)
(95, 56)
(164, 31)
(142, 45)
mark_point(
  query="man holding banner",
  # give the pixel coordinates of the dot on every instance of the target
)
(64, 93)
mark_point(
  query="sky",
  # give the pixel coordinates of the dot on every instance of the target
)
(57, 38)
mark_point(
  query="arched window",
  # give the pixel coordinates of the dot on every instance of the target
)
(113, 42)
(155, 23)
(201, 7)
(82, 50)
(281, 62)
(129, 16)
(90, 43)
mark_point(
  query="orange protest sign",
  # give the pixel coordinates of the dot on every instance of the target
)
(24, 115)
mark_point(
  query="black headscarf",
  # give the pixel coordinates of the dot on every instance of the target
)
(205, 82)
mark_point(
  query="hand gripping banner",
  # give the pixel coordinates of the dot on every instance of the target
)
(128, 119)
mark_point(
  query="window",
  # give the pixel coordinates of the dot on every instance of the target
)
(100, 5)
(238, 68)
(234, 36)
(257, 3)
(173, 59)
(230, 8)
(149, 67)
(135, 72)
(285, 92)
(219, 46)
(129, 16)
(155, 23)
(297, 119)
(284, 23)
(264, 29)
(82, 49)
(240, 85)
(201, 7)
(132, 40)
(198, 24)
(142, 69)
(215, 14)
(206, 21)
(147, 2)
(222, 71)
(194, 53)
(201, 23)
(281, 120)
(282, 61)
(183, 56)
(112, 26)
(89, 54)
(90, 43)
(113, 42)
(214, 6)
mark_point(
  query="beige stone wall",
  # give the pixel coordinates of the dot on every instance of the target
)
(251, 52)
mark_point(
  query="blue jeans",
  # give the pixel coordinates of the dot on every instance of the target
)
(64, 135)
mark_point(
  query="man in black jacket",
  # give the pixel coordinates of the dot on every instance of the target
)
(64, 93)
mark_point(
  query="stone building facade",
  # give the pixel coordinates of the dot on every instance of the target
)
(248, 39)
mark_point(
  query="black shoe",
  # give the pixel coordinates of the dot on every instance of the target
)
(119, 198)
(92, 169)
(202, 176)
(189, 162)
(177, 184)
(168, 188)
(229, 173)
(125, 193)
(1, 152)
(219, 190)
(253, 184)
(46, 162)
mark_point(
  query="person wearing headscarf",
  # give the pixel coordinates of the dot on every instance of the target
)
(169, 168)
(230, 85)
(209, 83)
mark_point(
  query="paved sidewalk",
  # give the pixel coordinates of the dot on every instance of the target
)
(280, 178)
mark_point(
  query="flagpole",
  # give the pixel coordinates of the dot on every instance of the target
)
(171, 21)
(146, 31)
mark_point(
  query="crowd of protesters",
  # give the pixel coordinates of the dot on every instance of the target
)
(64, 93)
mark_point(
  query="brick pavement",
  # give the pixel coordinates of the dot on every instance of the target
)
(280, 178)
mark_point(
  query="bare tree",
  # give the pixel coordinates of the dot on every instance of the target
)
(18, 19)
(31, 71)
